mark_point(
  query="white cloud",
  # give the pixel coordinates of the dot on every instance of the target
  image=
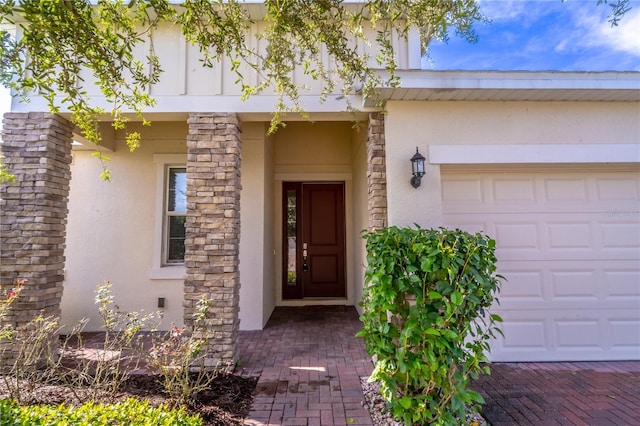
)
(507, 10)
(626, 36)
(593, 30)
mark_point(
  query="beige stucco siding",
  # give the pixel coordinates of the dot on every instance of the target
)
(111, 230)
(256, 253)
(557, 185)
(570, 128)
(317, 147)
(316, 152)
(517, 122)
(360, 210)
(115, 232)
(269, 271)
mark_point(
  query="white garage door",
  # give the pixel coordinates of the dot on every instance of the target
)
(568, 243)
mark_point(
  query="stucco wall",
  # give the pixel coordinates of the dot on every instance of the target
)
(269, 296)
(578, 127)
(318, 151)
(255, 209)
(111, 230)
(360, 212)
(303, 147)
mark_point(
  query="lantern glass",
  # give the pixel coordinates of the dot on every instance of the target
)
(417, 164)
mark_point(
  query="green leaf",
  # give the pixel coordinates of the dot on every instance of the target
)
(473, 298)
(434, 295)
(405, 402)
(456, 298)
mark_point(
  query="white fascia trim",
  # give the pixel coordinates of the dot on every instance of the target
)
(513, 80)
(534, 154)
(158, 271)
(213, 103)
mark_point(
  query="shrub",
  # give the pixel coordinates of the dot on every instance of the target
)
(425, 319)
(180, 356)
(103, 370)
(130, 413)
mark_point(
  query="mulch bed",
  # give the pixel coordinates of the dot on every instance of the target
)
(226, 402)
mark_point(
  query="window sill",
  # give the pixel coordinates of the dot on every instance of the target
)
(176, 272)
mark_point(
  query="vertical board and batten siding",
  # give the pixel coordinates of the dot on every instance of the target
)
(184, 74)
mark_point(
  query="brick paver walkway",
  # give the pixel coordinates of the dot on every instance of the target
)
(310, 366)
(309, 363)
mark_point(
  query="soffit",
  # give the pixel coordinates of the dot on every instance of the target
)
(511, 86)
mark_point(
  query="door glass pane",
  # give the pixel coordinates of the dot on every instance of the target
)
(177, 196)
(291, 237)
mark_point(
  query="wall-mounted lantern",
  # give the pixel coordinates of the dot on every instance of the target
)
(417, 168)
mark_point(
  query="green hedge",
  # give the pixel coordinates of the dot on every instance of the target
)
(425, 319)
(128, 413)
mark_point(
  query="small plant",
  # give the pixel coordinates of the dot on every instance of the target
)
(131, 412)
(425, 319)
(103, 370)
(31, 348)
(180, 357)
(7, 330)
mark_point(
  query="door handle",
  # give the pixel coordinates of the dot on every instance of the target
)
(305, 265)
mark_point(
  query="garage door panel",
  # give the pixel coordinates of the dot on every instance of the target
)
(541, 192)
(568, 243)
(515, 189)
(624, 334)
(618, 189)
(610, 209)
(596, 284)
(524, 285)
(578, 335)
(518, 236)
(580, 284)
(623, 282)
(566, 334)
(463, 191)
(473, 227)
(553, 236)
(620, 236)
(529, 335)
(571, 236)
(562, 190)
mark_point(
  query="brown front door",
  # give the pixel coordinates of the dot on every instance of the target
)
(314, 240)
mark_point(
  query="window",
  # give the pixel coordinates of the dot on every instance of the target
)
(170, 215)
(175, 215)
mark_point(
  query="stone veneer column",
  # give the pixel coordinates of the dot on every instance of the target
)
(376, 172)
(213, 228)
(33, 213)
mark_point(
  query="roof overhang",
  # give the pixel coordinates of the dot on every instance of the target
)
(607, 86)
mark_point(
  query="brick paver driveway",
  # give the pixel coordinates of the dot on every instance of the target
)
(309, 363)
(562, 393)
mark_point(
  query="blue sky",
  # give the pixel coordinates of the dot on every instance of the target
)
(544, 35)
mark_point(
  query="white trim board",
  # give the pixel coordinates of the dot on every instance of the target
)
(534, 154)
